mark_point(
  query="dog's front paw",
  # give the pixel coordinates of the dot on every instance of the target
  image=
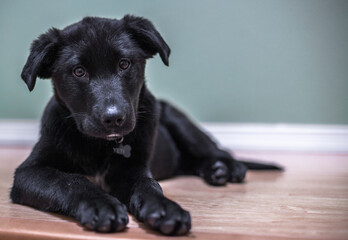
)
(165, 216)
(103, 214)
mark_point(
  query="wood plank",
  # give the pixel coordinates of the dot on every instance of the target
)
(307, 201)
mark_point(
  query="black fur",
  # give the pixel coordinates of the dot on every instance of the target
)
(73, 169)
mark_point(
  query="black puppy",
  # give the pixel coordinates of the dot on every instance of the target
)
(105, 138)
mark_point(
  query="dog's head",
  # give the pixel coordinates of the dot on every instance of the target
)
(97, 67)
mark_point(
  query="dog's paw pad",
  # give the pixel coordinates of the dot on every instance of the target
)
(154, 217)
(105, 228)
(167, 227)
(182, 230)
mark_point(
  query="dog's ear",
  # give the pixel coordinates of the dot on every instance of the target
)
(145, 34)
(41, 58)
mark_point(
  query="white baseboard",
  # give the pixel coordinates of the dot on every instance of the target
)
(19, 132)
(281, 137)
(249, 137)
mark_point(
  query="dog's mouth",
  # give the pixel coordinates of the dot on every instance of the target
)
(88, 128)
(115, 137)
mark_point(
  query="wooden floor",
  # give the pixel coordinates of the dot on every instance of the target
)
(308, 201)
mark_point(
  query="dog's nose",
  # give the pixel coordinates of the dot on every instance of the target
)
(113, 117)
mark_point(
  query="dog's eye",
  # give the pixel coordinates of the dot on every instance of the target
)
(124, 64)
(79, 72)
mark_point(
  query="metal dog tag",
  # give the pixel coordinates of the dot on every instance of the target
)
(124, 150)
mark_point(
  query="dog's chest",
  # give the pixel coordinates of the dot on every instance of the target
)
(98, 177)
(97, 171)
(99, 180)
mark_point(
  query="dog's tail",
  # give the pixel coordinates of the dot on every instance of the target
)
(250, 164)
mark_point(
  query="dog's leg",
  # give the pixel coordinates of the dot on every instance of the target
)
(49, 189)
(200, 155)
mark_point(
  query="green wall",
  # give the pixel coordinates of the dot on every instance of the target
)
(241, 61)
